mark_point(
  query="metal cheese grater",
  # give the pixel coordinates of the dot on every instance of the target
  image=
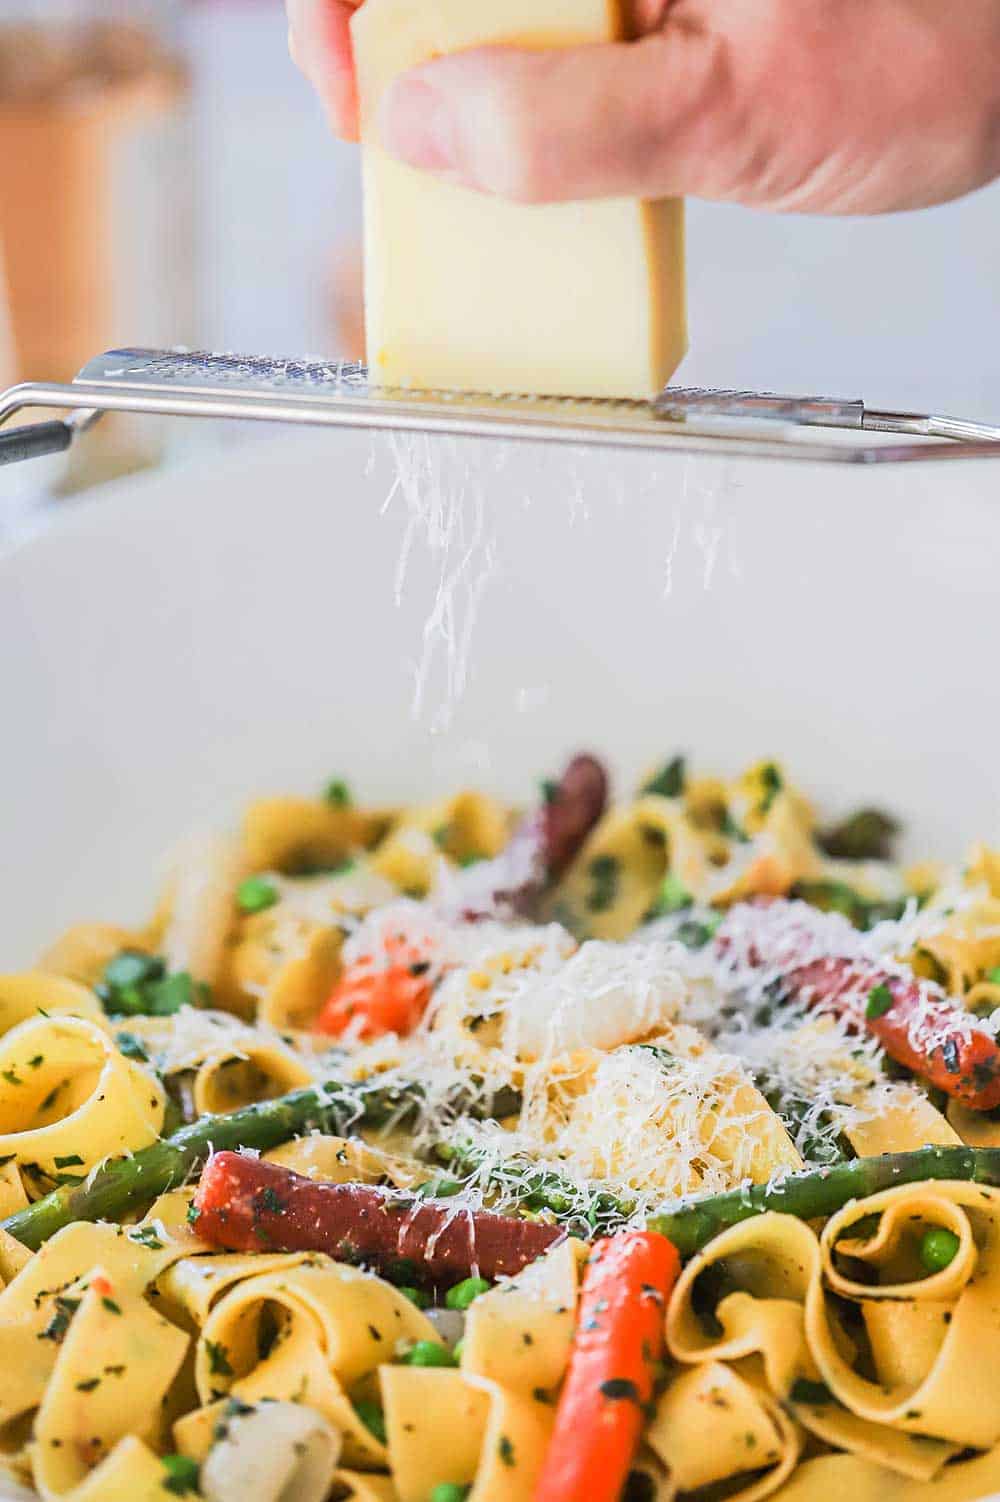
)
(742, 424)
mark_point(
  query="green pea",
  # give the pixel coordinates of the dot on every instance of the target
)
(417, 1296)
(462, 1295)
(372, 1417)
(255, 895)
(457, 1350)
(674, 896)
(449, 1491)
(938, 1248)
(429, 1353)
(338, 793)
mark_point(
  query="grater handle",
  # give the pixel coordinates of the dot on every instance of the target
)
(35, 441)
(804, 411)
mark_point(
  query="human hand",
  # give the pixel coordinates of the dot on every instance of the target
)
(319, 40)
(816, 106)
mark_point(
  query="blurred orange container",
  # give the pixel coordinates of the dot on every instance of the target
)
(96, 202)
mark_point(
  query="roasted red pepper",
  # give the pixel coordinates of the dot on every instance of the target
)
(386, 993)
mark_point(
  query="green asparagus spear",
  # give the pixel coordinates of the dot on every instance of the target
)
(123, 1183)
(822, 1191)
(541, 1189)
(810, 1195)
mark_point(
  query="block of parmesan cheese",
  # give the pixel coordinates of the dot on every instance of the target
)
(468, 292)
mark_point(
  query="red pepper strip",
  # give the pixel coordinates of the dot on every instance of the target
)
(619, 1337)
(375, 995)
(247, 1205)
(915, 1023)
(373, 1002)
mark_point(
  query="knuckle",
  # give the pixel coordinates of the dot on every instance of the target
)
(509, 140)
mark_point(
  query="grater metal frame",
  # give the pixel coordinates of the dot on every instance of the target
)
(689, 420)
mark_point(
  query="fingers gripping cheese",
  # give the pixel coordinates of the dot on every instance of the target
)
(465, 291)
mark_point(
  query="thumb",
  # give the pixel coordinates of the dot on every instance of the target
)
(625, 118)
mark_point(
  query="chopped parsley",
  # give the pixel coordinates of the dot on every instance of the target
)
(880, 1001)
(669, 781)
(73, 1160)
(146, 1236)
(129, 1045)
(814, 1393)
(639, 1487)
(771, 782)
(268, 1199)
(695, 933)
(866, 835)
(505, 1450)
(338, 793)
(111, 1306)
(218, 1359)
(604, 872)
(57, 1326)
(838, 897)
(371, 1415)
(620, 1390)
(136, 984)
(182, 1475)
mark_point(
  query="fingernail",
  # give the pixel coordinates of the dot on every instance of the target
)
(416, 126)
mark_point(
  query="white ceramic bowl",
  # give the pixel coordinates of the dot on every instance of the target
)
(182, 640)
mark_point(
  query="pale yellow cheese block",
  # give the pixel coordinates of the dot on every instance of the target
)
(464, 291)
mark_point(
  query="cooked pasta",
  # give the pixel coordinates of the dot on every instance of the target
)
(640, 1150)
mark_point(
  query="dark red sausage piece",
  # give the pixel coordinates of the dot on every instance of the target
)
(247, 1205)
(541, 847)
(922, 1028)
(578, 801)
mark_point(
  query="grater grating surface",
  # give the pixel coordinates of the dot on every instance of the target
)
(337, 393)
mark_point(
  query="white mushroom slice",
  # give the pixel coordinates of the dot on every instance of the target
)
(604, 995)
(449, 1324)
(276, 1452)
